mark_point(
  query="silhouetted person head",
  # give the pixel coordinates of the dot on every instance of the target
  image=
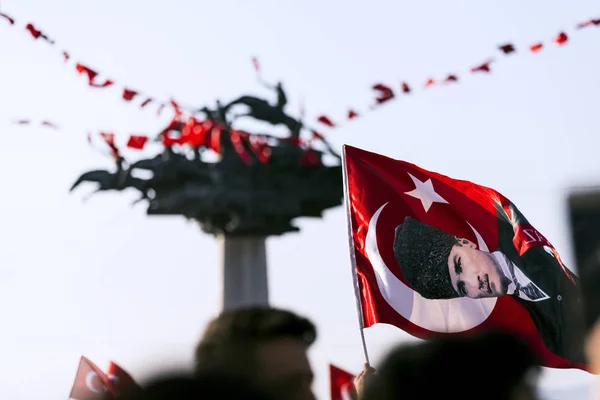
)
(491, 366)
(212, 386)
(266, 345)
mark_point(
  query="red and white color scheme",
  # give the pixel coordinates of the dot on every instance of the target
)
(384, 196)
(121, 380)
(91, 383)
(342, 384)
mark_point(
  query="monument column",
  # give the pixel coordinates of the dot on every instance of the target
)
(244, 271)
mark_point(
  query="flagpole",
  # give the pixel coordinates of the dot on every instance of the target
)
(361, 320)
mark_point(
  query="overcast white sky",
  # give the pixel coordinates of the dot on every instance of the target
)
(102, 279)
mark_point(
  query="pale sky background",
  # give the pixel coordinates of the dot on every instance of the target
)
(103, 280)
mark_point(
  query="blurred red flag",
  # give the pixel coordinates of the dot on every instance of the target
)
(91, 383)
(123, 383)
(37, 34)
(137, 142)
(535, 48)
(588, 23)
(176, 107)
(91, 74)
(561, 39)
(507, 48)
(326, 121)
(341, 384)
(146, 102)
(405, 87)
(129, 94)
(6, 17)
(49, 124)
(109, 138)
(255, 64)
(385, 93)
(485, 67)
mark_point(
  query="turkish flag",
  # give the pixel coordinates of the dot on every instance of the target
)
(436, 256)
(341, 384)
(91, 383)
(122, 382)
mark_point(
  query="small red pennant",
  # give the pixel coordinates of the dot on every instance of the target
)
(6, 17)
(385, 93)
(405, 87)
(485, 67)
(536, 48)
(326, 121)
(561, 39)
(129, 94)
(137, 142)
(255, 64)
(37, 34)
(507, 48)
(588, 23)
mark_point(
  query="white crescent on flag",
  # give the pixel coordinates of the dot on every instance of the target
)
(447, 315)
(346, 392)
(89, 378)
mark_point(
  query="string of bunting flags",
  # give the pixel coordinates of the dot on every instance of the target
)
(94, 78)
(47, 124)
(384, 93)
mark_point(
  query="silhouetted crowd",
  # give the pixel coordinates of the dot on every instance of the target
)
(260, 353)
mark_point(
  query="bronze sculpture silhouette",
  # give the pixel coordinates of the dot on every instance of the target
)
(119, 180)
(260, 195)
(264, 111)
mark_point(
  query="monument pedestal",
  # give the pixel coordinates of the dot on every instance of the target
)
(244, 269)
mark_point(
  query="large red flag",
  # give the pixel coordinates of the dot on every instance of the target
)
(342, 384)
(438, 256)
(91, 383)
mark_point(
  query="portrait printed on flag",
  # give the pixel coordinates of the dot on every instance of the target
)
(435, 255)
(439, 265)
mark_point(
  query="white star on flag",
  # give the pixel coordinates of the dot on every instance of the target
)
(424, 191)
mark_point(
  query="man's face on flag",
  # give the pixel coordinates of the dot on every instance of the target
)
(475, 273)
(439, 265)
